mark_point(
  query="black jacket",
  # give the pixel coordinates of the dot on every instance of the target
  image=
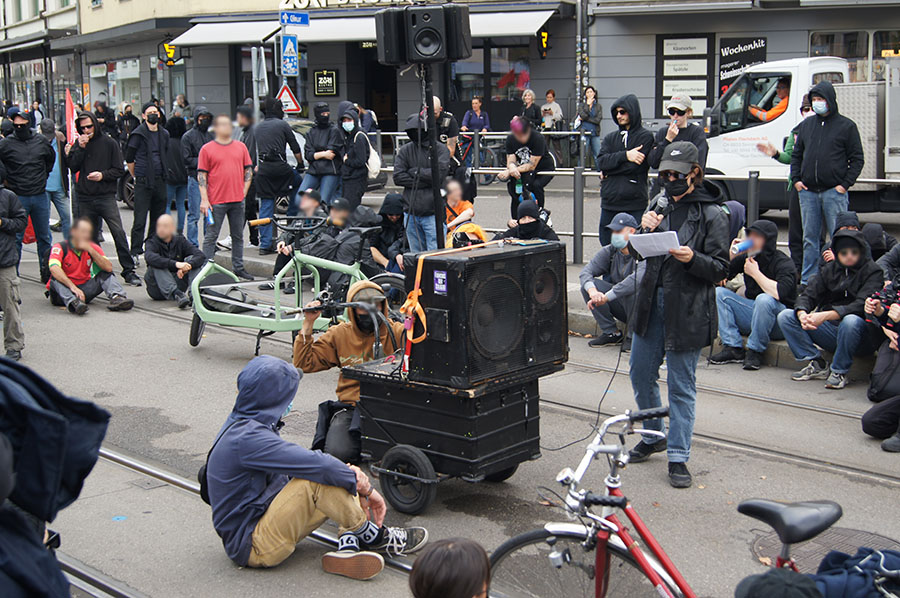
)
(356, 149)
(545, 232)
(689, 294)
(163, 256)
(693, 133)
(773, 263)
(533, 115)
(28, 163)
(320, 139)
(624, 186)
(109, 121)
(412, 171)
(391, 241)
(247, 136)
(13, 221)
(176, 171)
(828, 151)
(193, 140)
(137, 150)
(879, 241)
(844, 290)
(102, 154)
(125, 124)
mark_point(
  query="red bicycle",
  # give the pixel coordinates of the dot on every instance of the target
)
(599, 557)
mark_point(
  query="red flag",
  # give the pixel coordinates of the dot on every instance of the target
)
(71, 133)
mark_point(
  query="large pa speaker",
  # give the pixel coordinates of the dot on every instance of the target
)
(425, 34)
(459, 32)
(491, 312)
(391, 34)
(421, 34)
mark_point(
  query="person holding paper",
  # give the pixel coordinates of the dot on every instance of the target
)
(674, 313)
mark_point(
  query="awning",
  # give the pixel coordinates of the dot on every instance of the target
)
(346, 29)
(236, 32)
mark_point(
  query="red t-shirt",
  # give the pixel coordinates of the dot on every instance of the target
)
(79, 266)
(224, 165)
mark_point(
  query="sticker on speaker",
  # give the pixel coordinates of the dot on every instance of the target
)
(440, 282)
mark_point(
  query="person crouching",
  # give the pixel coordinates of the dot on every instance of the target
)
(172, 263)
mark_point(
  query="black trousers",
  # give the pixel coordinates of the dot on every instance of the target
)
(251, 212)
(353, 190)
(150, 198)
(795, 230)
(882, 420)
(106, 209)
(530, 182)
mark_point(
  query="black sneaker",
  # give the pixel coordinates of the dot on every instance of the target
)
(642, 450)
(120, 303)
(182, 300)
(892, 444)
(78, 307)
(679, 476)
(752, 360)
(267, 286)
(728, 355)
(14, 355)
(132, 279)
(243, 274)
(626, 345)
(398, 541)
(607, 338)
(267, 251)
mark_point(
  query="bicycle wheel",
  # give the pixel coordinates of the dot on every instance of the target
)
(487, 160)
(521, 568)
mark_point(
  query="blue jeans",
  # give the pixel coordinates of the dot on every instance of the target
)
(647, 353)
(193, 215)
(813, 208)
(177, 193)
(845, 338)
(327, 185)
(420, 232)
(38, 207)
(754, 317)
(266, 210)
(592, 145)
(61, 202)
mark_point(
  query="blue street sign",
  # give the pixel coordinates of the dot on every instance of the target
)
(290, 64)
(292, 17)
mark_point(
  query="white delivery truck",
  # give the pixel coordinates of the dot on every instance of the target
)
(734, 131)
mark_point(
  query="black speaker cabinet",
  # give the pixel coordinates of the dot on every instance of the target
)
(491, 312)
(459, 33)
(420, 34)
(390, 27)
(425, 34)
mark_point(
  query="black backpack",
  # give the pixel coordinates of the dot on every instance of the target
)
(201, 474)
(884, 382)
(45, 260)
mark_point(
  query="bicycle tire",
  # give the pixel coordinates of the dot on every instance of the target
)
(488, 160)
(521, 568)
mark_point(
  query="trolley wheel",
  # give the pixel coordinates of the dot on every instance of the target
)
(197, 327)
(502, 475)
(405, 495)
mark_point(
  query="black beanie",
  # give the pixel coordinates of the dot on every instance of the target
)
(843, 242)
(848, 218)
(529, 208)
(148, 105)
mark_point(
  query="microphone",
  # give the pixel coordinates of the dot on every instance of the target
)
(661, 208)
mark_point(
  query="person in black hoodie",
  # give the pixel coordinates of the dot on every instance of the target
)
(107, 120)
(126, 123)
(176, 171)
(529, 224)
(96, 164)
(830, 312)
(623, 163)
(771, 286)
(879, 241)
(13, 220)
(354, 172)
(390, 244)
(145, 156)
(826, 160)
(674, 304)
(680, 128)
(324, 153)
(172, 262)
(198, 136)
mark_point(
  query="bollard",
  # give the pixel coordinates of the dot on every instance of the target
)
(753, 197)
(578, 217)
(476, 147)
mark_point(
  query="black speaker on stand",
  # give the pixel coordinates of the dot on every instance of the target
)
(423, 34)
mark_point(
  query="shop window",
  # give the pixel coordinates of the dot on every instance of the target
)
(510, 73)
(467, 76)
(885, 44)
(852, 45)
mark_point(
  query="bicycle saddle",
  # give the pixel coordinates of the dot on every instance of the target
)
(793, 522)
(365, 230)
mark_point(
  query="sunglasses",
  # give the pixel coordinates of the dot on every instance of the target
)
(86, 127)
(805, 110)
(620, 111)
(674, 111)
(671, 174)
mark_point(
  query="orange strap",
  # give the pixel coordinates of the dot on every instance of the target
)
(411, 307)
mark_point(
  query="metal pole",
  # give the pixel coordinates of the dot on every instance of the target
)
(254, 68)
(476, 147)
(579, 48)
(581, 148)
(578, 217)
(431, 124)
(278, 54)
(753, 197)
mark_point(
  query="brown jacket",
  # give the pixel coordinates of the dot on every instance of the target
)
(343, 345)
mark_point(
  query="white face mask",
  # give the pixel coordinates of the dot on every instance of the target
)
(347, 125)
(820, 107)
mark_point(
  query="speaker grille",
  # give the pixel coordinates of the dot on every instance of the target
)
(496, 299)
(428, 42)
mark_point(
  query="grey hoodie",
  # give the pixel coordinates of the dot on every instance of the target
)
(615, 267)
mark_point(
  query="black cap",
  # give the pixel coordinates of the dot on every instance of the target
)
(148, 105)
(621, 220)
(679, 156)
(777, 583)
(340, 203)
(313, 194)
(528, 207)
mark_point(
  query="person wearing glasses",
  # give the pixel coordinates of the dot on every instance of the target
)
(674, 314)
(782, 90)
(680, 128)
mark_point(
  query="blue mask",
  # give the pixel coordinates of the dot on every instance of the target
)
(348, 125)
(618, 241)
(288, 410)
(820, 107)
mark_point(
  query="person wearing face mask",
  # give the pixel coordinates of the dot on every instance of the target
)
(28, 159)
(324, 153)
(825, 162)
(145, 155)
(528, 224)
(674, 313)
(354, 173)
(608, 281)
(795, 224)
(126, 123)
(191, 142)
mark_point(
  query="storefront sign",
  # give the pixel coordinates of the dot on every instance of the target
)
(98, 71)
(736, 54)
(690, 46)
(684, 65)
(325, 83)
(692, 87)
(306, 4)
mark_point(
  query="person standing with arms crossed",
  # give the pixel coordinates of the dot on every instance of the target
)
(224, 172)
(145, 157)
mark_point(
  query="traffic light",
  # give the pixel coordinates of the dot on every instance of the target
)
(543, 42)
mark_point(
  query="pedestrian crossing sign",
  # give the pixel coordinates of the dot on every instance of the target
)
(290, 62)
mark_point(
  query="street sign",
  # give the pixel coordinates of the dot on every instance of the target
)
(168, 54)
(288, 100)
(290, 64)
(325, 83)
(292, 17)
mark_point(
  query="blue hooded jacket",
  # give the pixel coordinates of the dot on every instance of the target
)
(251, 463)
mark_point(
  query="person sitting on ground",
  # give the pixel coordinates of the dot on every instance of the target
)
(843, 221)
(771, 286)
(348, 343)
(890, 263)
(390, 244)
(608, 281)
(458, 209)
(882, 420)
(451, 568)
(80, 271)
(529, 224)
(829, 313)
(172, 263)
(879, 241)
(267, 494)
(338, 216)
(465, 235)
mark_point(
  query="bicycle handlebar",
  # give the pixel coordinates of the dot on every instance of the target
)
(601, 500)
(645, 414)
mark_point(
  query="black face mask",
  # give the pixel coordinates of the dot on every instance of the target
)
(203, 124)
(22, 132)
(364, 323)
(323, 119)
(528, 230)
(676, 187)
(153, 118)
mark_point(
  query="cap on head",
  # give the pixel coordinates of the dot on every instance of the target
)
(679, 156)
(148, 105)
(622, 220)
(341, 204)
(369, 295)
(15, 111)
(680, 102)
(313, 194)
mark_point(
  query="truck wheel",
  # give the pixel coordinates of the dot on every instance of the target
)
(407, 495)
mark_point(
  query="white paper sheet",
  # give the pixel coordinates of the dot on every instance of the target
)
(653, 244)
